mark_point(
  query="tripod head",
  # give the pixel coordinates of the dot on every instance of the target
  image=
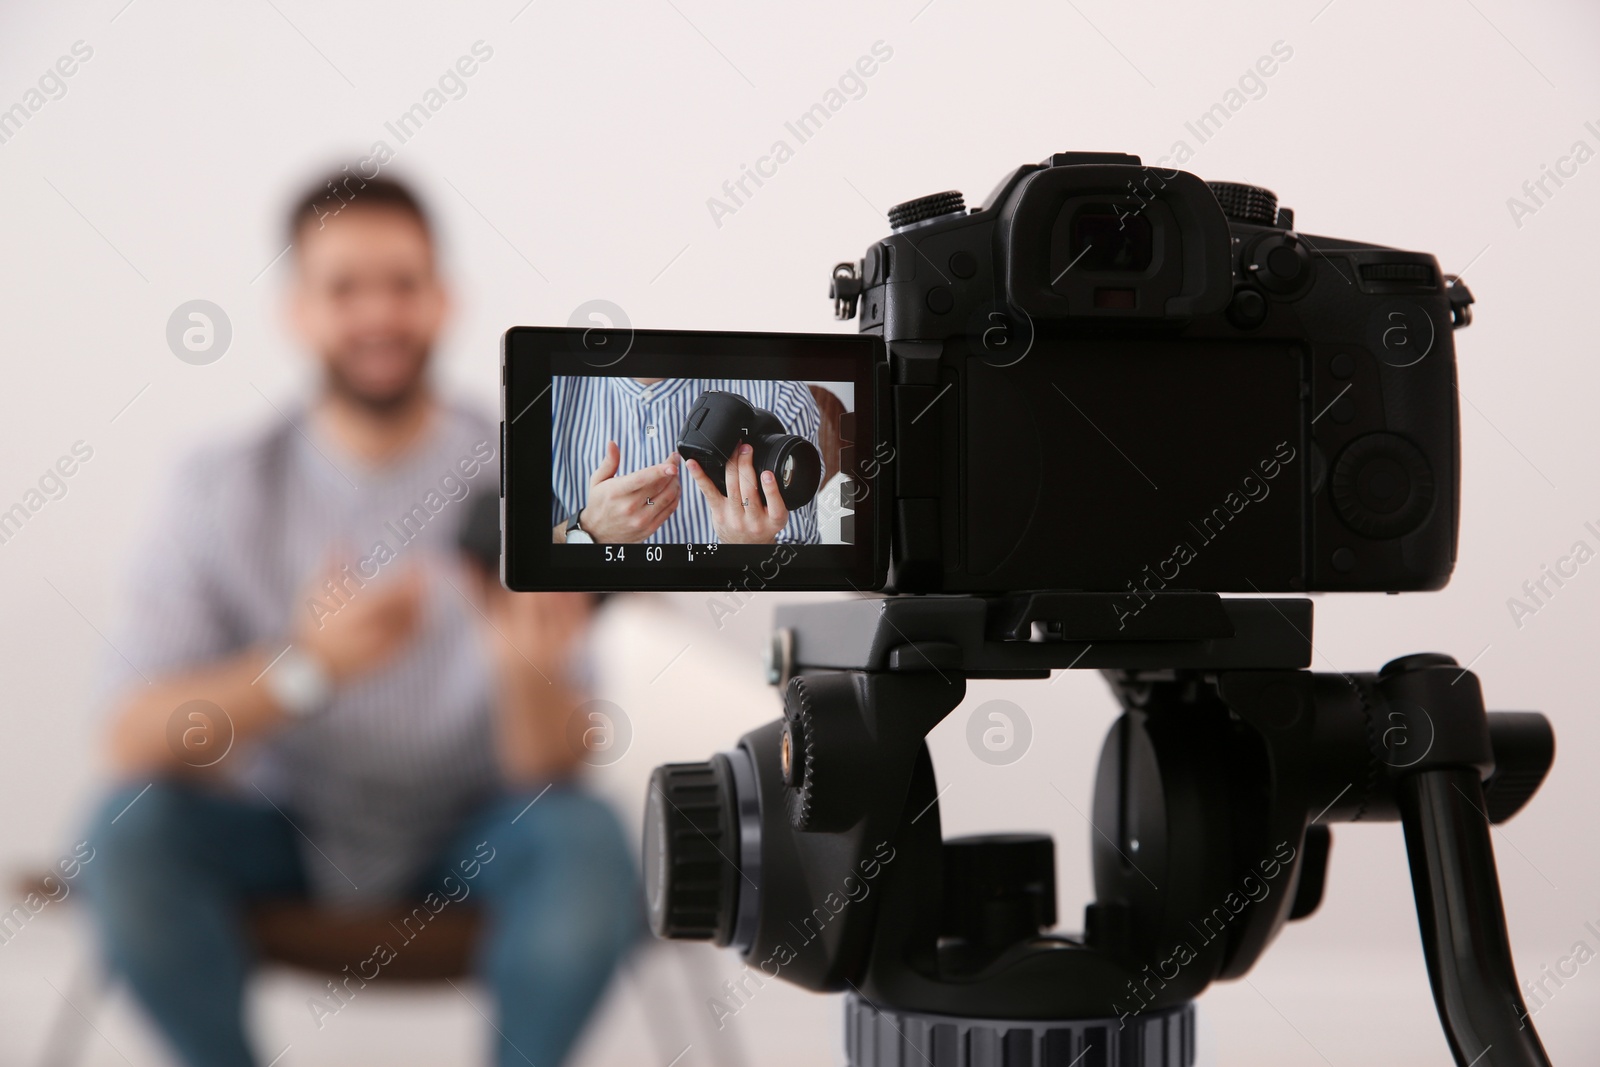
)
(814, 847)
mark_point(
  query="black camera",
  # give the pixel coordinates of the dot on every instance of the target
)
(720, 422)
(1112, 376)
(1101, 399)
(1109, 377)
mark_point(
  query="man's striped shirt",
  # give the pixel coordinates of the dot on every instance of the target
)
(378, 781)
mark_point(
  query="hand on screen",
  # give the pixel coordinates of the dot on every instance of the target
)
(625, 509)
(741, 518)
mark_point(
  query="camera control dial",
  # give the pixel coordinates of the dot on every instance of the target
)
(1279, 263)
(924, 208)
(1246, 203)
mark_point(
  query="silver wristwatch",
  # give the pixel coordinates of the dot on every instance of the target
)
(577, 535)
(300, 684)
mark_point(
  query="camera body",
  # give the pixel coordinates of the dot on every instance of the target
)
(1108, 379)
(1112, 377)
(721, 421)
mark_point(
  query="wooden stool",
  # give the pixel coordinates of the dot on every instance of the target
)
(312, 938)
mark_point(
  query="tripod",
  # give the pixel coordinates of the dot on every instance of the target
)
(815, 846)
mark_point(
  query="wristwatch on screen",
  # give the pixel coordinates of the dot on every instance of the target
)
(577, 535)
(300, 684)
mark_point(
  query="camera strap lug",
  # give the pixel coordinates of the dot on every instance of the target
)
(845, 289)
(1460, 297)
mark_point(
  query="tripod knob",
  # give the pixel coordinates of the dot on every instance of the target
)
(691, 846)
(1524, 748)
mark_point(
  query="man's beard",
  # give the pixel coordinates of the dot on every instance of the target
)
(342, 386)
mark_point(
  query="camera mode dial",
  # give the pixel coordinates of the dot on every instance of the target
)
(924, 208)
(1246, 203)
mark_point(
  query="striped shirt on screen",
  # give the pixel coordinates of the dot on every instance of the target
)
(644, 420)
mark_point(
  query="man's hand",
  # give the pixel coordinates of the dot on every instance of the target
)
(740, 517)
(374, 622)
(532, 638)
(533, 635)
(629, 508)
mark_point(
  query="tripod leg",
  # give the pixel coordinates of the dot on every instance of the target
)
(1463, 922)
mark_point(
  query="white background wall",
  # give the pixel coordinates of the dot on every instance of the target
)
(578, 165)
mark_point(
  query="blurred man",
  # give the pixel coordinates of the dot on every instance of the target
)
(380, 733)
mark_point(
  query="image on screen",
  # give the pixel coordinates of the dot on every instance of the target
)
(699, 462)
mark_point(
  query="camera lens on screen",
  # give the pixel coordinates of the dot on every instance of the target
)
(721, 421)
(794, 462)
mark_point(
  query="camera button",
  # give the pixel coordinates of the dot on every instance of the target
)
(1279, 263)
(1248, 309)
(1284, 263)
(940, 300)
(1342, 365)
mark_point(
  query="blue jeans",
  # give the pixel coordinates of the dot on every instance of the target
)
(169, 883)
